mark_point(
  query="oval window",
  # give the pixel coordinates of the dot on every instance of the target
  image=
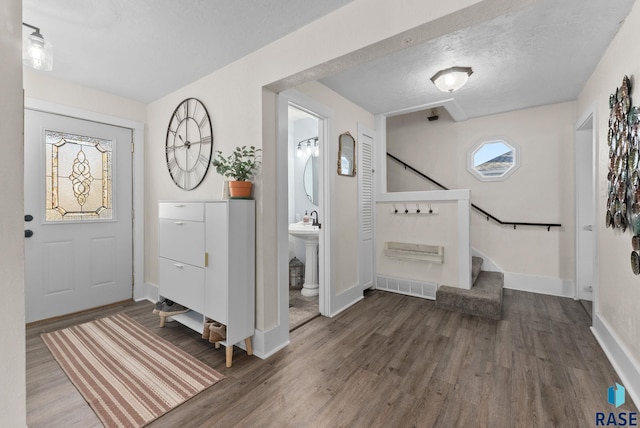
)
(492, 160)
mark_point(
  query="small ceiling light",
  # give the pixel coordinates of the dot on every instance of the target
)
(451, 79)
(36, 51)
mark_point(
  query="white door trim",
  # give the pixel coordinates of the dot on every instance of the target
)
(326, 264)
(138, 175)
(586, 133)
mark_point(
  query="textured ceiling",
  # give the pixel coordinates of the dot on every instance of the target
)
(145, 49)
(539, 53)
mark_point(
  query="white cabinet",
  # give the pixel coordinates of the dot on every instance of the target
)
(207, 263)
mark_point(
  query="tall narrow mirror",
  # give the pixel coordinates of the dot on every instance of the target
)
(346, 155)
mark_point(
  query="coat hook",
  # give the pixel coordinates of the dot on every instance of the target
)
(395, 210)
(418, 208)
(548, 228)
(514, 227)
(430, 210)
(406, 211)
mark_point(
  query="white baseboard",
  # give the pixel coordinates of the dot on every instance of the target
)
(268, 342)
(149, 292)
(346, 299)
(539, 284)
(623, 362)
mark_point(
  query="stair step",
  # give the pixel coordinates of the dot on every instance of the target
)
(476, 266)
(484, 299)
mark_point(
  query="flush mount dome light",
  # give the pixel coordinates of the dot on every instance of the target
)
(451, 79)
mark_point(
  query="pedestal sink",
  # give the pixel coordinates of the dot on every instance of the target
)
(309, 234)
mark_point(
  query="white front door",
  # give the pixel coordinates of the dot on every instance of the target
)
(78, 191)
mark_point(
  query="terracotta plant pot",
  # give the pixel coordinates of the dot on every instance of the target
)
(240, 189)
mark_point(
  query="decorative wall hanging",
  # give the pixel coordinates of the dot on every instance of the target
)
(623, 180)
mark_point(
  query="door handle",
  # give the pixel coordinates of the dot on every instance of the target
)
(589, 227)
(28, 233)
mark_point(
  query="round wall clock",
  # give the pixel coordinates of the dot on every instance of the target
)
(189, 144)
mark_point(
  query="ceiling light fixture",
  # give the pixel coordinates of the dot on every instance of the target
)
(451, 79)
(36, 51)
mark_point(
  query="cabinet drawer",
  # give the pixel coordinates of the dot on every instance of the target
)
(182, 283)
(182, 241)
(192, 211)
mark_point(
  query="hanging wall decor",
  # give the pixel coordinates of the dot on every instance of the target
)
(623, 180)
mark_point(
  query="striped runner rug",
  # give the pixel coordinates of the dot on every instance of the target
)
(128, 375)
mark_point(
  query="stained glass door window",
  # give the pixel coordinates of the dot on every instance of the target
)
(78, 177)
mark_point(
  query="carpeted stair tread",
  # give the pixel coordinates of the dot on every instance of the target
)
(476, 266)
(484, 299)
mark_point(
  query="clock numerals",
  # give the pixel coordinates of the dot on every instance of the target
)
(178, 115)
(203, 122)
(172, 164)
(195, 110)
(203, 160)
(206, 140)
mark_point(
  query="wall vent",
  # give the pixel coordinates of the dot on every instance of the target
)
(426, 290)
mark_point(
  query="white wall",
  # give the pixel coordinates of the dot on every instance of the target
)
(540, 191)
(618, 288)
(428, 229)
(40, 86)
(12, 318)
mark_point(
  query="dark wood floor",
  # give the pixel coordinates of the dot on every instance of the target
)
(389, 361)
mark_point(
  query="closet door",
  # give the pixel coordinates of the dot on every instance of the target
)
(366, 140)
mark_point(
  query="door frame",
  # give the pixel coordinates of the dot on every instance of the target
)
(326, 264)
(586, 137)
(137, 128)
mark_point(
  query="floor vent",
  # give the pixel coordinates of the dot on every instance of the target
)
(426, 290)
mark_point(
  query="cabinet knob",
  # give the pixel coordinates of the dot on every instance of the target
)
(179, 223)
(178, 265)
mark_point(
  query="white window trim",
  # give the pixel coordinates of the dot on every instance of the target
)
(516, 159)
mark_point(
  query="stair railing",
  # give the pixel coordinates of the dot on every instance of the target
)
(488, 215)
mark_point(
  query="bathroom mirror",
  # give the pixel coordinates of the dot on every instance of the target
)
(346, 155)
(311, 179)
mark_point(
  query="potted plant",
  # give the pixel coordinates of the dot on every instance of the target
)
(239, 166)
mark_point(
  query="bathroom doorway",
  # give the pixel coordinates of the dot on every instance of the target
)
(286, 211)
(304, 210)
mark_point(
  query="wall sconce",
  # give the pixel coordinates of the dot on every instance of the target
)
(451, 79)
(308, 147)
(36, 51)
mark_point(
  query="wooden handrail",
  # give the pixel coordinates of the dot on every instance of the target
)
(474, 206)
